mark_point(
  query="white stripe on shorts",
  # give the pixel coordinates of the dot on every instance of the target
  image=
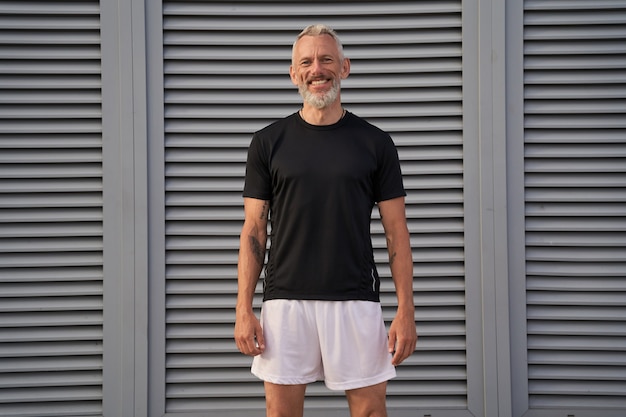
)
(342, 342)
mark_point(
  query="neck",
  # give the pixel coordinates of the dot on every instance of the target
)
(322, 117)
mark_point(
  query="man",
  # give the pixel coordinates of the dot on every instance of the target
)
(316, 175)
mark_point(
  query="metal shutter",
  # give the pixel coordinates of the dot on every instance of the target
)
(225, 76)
(575, 182)
(50, 209)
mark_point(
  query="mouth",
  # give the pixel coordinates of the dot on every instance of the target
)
(319, 82)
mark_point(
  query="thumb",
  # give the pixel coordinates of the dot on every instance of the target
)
(391, 341)
(258, 331)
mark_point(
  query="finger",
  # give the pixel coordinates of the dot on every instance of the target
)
(246, 345)
(403, 351)
(391, 341)
(260, 339)
(399, 356)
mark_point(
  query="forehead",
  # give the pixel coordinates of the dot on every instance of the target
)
(316, 45)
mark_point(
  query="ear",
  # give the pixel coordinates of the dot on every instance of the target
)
(345, 68)
(292, 74)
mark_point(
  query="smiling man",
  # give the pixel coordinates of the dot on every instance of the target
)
(315, 176)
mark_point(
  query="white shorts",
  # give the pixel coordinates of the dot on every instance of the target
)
(343, 343)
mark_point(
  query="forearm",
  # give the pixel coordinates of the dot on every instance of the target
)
(401, 264)
(250, 264)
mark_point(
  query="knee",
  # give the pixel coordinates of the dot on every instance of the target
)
(370, 413)
(282, 411)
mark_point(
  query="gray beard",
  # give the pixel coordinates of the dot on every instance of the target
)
(319, 101)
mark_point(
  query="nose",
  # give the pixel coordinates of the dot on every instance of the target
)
(316, 66)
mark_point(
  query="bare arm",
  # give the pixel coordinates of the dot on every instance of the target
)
(402, 334)
(248, 332)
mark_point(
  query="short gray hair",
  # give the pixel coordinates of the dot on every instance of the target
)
(318, 30)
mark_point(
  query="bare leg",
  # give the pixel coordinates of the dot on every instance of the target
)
(368, 401)
(284, 400)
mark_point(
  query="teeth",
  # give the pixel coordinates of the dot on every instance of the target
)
(318, 82)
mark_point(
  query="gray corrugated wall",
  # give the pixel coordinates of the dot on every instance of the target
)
(51, 237)
(226, 75)
(220, 72)
(575, 203)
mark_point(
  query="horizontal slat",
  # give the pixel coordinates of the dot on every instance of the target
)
(580, 313)
(600, 388)
(50, 185)
(57, 111)
(595, 348)
(80, 157)
(589, 270)
(261, 12)
(576, 328)
(61, 259)
(37, 275)
(51, 379)
(51, 200)
(55, 288)
(27, 75)
(577, 373)
(572, 283)
(577, 254)
(43, 230)
(48, 52)
(48, 37)
(50, 334)
(575, 77)
(584, 6)
(570, 135)
(65, 306)
(41, 365)
(585, 16)
(52, 126)
(290, 22)
(59, 349)
(601, 91)
(567, 402)
(580, 195)
(54, 409)
(34, 395)
(590, 209)
(567, 106)
(579, 47)
(550, 33)
(52, 21)
(578, 351)
(185, 37)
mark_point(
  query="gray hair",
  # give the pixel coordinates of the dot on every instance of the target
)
(318, 30)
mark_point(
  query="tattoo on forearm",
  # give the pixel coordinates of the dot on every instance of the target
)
(257, 250)
(265, 210)
(392, 258)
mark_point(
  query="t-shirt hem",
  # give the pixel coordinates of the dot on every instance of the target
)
(323, 297)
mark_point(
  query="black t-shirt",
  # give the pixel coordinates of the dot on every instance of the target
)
(322, 183)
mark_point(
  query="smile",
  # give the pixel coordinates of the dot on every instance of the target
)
(319, 82)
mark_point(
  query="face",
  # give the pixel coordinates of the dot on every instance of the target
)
(317, 70)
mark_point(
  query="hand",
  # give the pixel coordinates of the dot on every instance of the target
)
(402, 337)
(249, 334)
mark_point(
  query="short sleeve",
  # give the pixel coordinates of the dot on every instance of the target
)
(258, 182)
(388, 183)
